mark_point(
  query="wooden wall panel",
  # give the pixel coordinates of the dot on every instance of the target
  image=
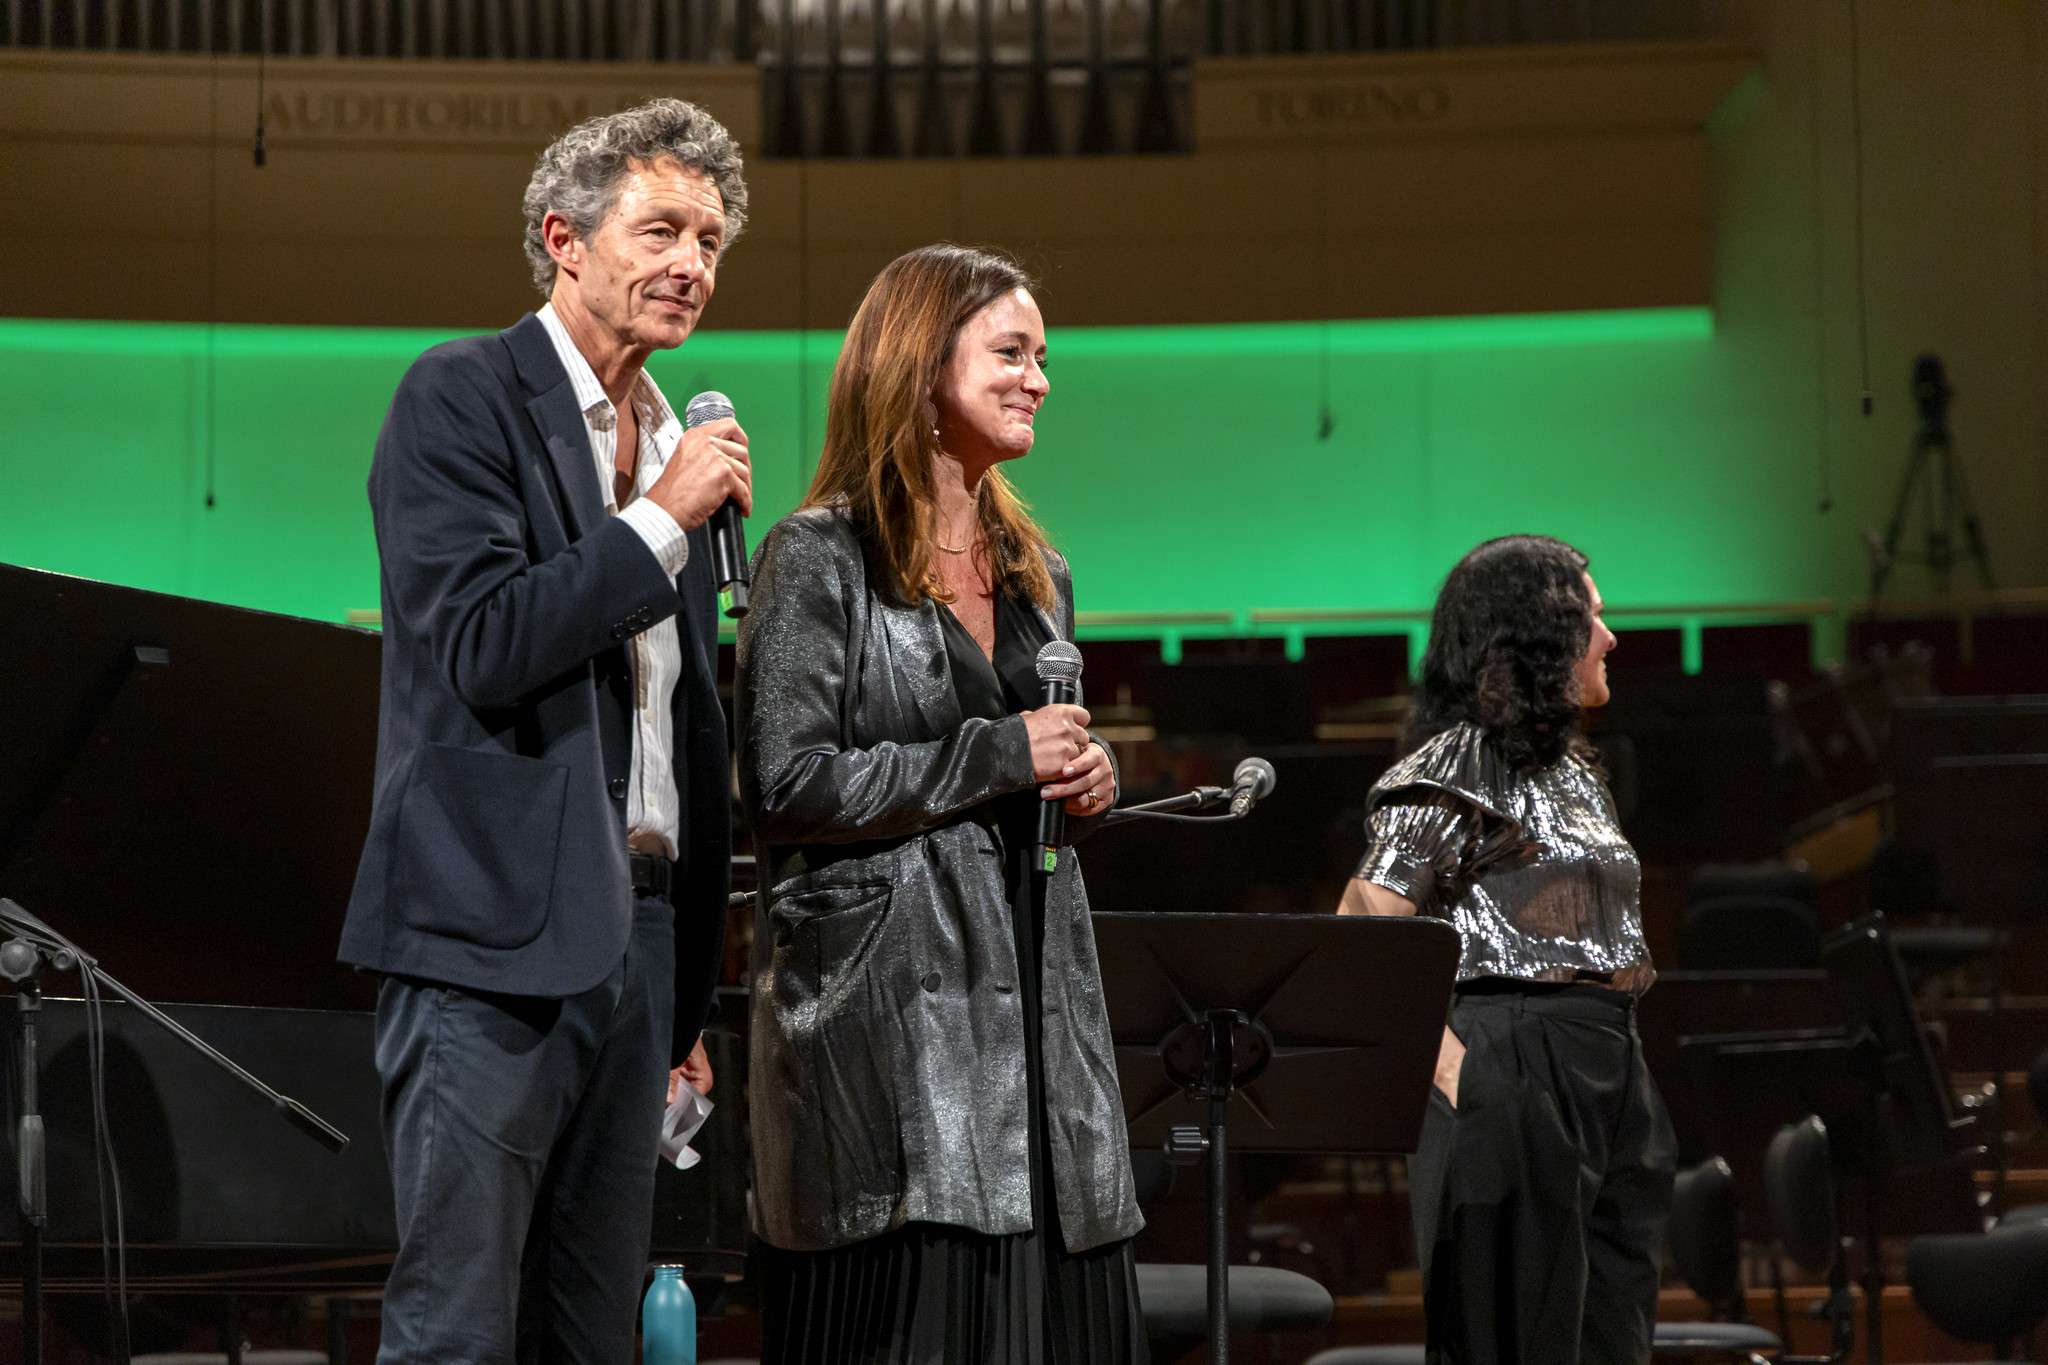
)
(1556, 179)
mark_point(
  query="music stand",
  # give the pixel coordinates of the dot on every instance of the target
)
(1972, 781)
(1878, 1087)
(1276, 1033)
(1689, 1006)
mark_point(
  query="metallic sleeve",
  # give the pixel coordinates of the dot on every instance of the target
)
(1413, 844)
(799, 780)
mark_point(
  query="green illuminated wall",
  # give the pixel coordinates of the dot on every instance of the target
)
(1182, 468)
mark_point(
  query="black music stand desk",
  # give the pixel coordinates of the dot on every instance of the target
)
(1273, 1033)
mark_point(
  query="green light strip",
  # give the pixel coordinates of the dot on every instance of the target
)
(243, 449)
(1372, 336)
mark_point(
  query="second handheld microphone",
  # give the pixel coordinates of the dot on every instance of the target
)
(728, 536)
(1059, 682)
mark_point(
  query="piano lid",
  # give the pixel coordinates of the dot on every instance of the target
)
(186, 787)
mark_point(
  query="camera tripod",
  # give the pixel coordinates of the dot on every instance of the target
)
(1934, 468)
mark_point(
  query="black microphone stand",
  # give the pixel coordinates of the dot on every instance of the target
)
(21, 963)
(21, 960)
(1175, 808)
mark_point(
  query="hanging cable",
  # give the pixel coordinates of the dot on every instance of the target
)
(1820, 330)
(1326, 420)
(262, 51)
(1856, 146)
(206, 420)
(106, 1172)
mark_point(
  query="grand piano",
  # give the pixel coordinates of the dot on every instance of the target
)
(184, 788)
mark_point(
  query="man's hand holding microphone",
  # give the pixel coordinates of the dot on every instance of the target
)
(709, 466)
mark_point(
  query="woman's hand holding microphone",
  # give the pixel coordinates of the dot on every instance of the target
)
(1072, 767)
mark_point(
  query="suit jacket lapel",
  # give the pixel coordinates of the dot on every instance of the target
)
(552, 405)
(917, 643)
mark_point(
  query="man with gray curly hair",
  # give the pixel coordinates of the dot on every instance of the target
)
(543, 886)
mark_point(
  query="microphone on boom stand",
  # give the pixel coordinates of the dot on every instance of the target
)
(1252, 783)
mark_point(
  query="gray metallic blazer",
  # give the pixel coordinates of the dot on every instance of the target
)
(887, 1065)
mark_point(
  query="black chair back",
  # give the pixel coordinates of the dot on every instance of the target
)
(1748, 933)
(1749, 917)
(1704, 1232)
(1799, 1185)
(1990, 1287)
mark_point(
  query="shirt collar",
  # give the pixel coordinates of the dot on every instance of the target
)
(653, 407)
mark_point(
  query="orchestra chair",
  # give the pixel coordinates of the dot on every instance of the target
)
(1264, 1300)
(1799, 1188)
(1749, 917)
(1704, 1235)
(1989, 1288)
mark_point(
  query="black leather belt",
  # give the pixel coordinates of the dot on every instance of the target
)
(651, 873)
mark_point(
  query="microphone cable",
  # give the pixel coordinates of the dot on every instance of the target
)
(106, 1169)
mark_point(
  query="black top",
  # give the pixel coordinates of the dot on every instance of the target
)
(991, 689)
(1009, 684)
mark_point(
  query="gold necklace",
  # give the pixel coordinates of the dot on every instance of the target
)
(953, 549)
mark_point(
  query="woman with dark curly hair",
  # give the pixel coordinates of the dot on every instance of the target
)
(1544, 1173)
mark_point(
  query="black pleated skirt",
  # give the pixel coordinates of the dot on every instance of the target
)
(932, 1295)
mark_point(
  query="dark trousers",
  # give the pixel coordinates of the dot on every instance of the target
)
(522, 1138)
(1539, 1204)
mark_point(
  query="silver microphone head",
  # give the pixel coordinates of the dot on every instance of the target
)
(708, 406)
(1059, 661)
(1257, 775)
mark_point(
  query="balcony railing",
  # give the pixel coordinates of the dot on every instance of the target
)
(881, 78)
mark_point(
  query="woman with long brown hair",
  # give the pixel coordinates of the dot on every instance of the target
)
(941, 1170)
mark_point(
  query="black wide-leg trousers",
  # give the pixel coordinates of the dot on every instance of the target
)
(1540, 1201)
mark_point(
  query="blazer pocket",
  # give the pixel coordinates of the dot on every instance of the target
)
(794, 909)
(826, 932)
(478, 833)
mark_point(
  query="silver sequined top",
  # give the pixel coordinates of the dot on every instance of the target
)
(1531, 867)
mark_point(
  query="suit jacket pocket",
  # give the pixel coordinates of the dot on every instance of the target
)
(824, 935)
(477, 837)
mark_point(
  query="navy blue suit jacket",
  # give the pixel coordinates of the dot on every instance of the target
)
(496, 858)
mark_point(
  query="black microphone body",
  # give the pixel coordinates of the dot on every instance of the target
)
(1059, 683)
(728, 533)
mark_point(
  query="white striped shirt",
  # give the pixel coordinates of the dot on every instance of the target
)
(653, 810)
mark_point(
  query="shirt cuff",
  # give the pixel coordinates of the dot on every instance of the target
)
(1399, 871)
(652, 523)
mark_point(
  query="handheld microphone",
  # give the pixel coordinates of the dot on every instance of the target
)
(1059, 681)
(1252, 782)
(728, 537)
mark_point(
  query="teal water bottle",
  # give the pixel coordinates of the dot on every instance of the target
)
(668, 1320)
